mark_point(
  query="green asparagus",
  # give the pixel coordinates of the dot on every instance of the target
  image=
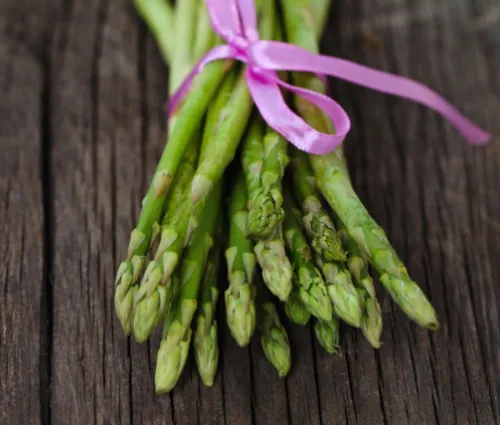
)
(296, 310)
(274, 338)
(317, 223)
(276, 268)
(147, 311)
(182, 58)
(187, 117)
(320, 10)
(371, 324)
(174, 347)
(206, 349)
(346, 300)
(241, 264)
(334, 183)
(158, 15)
(308, 279)
(232, 123)
(266, 199)
(327, 334)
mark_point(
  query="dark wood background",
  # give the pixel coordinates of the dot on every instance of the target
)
(81, 129)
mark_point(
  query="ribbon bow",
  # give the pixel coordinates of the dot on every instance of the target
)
(236, 22)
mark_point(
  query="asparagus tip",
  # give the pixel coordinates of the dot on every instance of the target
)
(206, 351)
(266, 213)
(327, 334)
(277, 350)
(241, 315)
(296, 310)
(144, 317)
(372, 322)
(170, 362)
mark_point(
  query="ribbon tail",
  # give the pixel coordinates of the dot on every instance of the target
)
(219, 52)
(268, 99)
(248, 15)
(283, 56)
(225, 17)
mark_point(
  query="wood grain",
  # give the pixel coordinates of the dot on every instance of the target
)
(81, 130)
(23, 314)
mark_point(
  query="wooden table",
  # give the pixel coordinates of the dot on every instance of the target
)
(81, 129)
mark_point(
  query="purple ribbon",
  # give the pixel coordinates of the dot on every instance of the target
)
(236, 22)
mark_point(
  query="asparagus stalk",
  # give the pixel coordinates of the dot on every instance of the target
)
(185, 18)
(320, 11)
(264, 160)
(327, 334)
(156, 284)
(334, 183)
(159, 16)
(274, 338)
(174, 347)
(296, 310)
(232, 123)
(318, 225)
(206, 349)
(371, 324)
(203, 26)
(187, 119)
(311, 286)
(170, 311)
(241, 263)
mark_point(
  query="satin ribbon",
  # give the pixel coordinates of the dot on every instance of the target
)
(236, 22)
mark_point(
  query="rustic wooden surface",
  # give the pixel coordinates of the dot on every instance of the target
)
(82, 88)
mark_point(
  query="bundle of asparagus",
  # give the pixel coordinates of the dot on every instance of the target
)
(298, 237)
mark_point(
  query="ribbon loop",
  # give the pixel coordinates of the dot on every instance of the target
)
(236, 22)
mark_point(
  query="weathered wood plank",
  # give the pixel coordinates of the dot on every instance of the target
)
(302, 386)
(270, 400)
(23, 311)
(435, 195)
(95, 114)
(236, 371)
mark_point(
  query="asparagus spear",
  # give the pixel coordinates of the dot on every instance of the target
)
(320, 10)
(241, 263)
(233, 121)
(264, 161)
(174, 347)
(203, 26)
(159, 16)
(308, 279)
(327, 334)
(371, 324)
(148, 310)
(346, 300)
(319, 226)
(276, 268)
(185, 12)
(206, 350)
(296, 310)
(170, 310)
(187, 121)
(334, 183)
(274, 338)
